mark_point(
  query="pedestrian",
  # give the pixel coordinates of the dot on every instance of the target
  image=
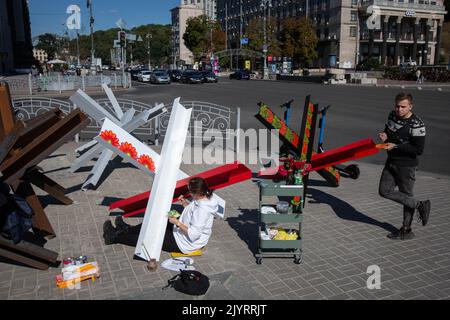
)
(418, 76)
(404, 138)
(187, 234)
(34, 71)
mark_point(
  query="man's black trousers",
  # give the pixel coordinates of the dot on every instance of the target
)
(404, 178)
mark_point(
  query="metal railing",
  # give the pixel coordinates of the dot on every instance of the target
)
(216, 119)
(27, 108)
(219, 120)
(58, 83)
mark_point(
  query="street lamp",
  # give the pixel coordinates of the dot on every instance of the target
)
(149, 36)
(264, 5)
(91, 22)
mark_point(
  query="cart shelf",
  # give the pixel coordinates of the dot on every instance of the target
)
(286, 248)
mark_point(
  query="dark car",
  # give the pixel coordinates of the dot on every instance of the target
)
(175, 75)
(134, 73)
(209, 76)
(240, 75)
(192, 77)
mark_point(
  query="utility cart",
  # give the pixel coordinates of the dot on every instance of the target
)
(276, 248)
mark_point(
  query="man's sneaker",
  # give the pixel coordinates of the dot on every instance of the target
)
(401, 234)
(120, 224)
(424, 211)
(109, 233)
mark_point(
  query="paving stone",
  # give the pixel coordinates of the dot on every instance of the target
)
(344, 232)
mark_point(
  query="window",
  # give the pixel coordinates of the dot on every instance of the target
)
(354, 2)
(353, 32)
(353, 16)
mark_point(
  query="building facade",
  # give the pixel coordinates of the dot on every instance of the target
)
(405, 30)
(209, 7)
(15, 36)
(181, 55)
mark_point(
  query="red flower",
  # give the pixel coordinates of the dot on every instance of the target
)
(269, 116)
(128, 148)
(110, 137)
(147, 162)
(283, 129)
(307, 132)
(295, 139)
(296, 201)
(305, 149)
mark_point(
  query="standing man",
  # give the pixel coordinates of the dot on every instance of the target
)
(404, 138)
(418, 76)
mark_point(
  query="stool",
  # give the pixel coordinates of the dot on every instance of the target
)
(192, 254)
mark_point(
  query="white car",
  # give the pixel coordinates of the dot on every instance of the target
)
(409, 63)
(144, 76)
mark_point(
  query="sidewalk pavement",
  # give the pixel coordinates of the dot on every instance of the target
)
(344, 232)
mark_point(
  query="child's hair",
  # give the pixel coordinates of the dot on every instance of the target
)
(199, 186)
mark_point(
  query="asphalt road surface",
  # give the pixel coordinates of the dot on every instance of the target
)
(356, 112)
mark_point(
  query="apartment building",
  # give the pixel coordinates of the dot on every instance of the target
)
(181, 55)
(15, 36)
(406, 30)
(209, 7)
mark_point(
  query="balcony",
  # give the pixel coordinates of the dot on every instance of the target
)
(391, 37)
(376, 36)
(403, 5)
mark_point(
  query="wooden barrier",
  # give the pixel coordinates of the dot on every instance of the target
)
(23, 145)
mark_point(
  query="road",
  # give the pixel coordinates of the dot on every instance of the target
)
(356, 112)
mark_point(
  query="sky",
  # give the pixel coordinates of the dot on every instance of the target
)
(48, 16)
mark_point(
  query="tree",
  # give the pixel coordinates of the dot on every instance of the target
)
(49, 43)
(196, 35)
(219, 38)
(299, 40)
(203, 36)
(160, 44)
(255, 33)
(104, 39)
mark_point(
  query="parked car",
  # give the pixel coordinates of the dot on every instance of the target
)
(240, 75)
(408, 64)
(135, 73)
(209, 76)
(144, 76)
(159, 77)
(192, 77)
(175, 75)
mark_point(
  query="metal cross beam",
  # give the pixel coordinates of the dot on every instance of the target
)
(127, 121)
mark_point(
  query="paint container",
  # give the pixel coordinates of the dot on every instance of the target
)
(68, 262)
(80, 260)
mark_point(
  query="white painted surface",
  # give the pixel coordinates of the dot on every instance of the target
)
(155, 220)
